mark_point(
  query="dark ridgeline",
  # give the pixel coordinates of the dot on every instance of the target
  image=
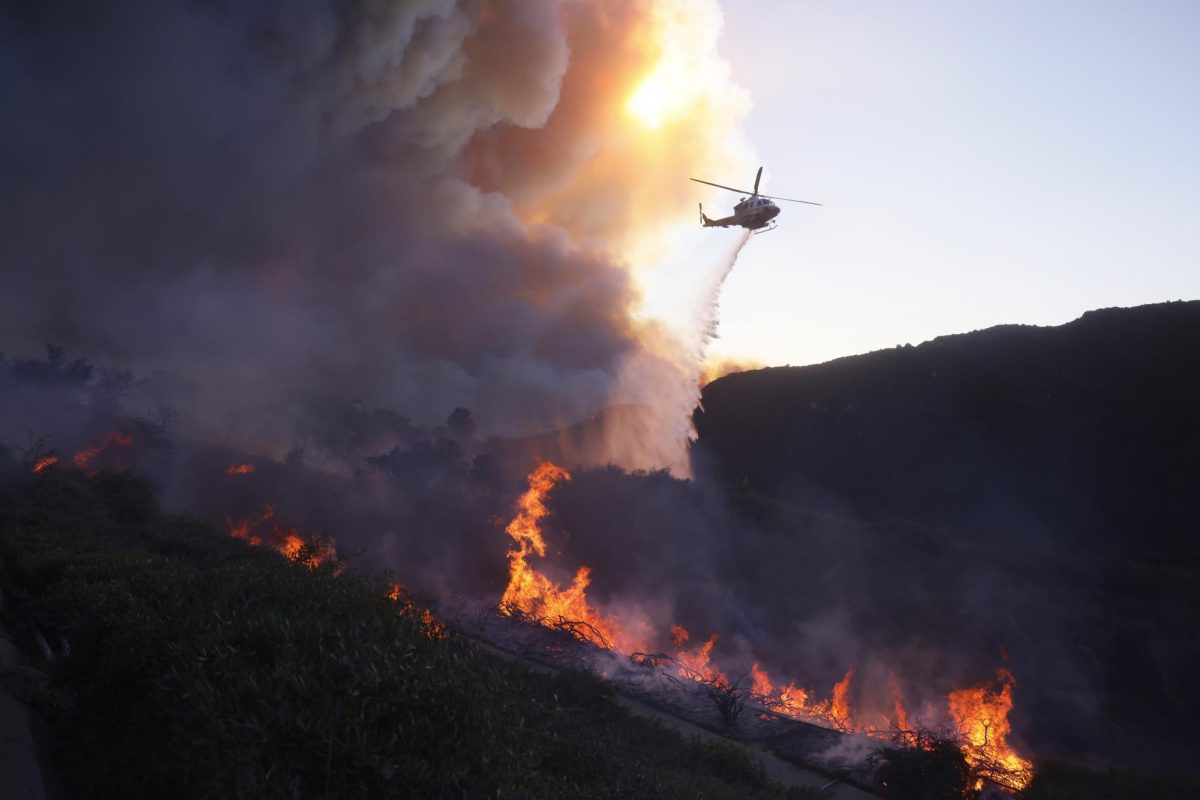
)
(1089, 429)
(1056, 473)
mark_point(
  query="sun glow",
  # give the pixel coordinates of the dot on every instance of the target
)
(646, 104)
(685, 35)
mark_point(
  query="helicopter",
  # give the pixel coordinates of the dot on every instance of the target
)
(756, 212)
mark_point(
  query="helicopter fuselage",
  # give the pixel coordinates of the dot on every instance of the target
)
(753, 213)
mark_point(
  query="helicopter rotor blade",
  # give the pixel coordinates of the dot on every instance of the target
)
(790, 200)
(720, 186)
(757, 178)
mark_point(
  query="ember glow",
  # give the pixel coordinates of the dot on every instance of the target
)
(239, 469)
(839, 704)
(84, 458)
(265, 530)
(978, 715)
(44, 463)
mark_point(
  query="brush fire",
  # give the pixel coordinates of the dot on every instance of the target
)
(976, 716)
(90, 457)
(264, 530)
(44, 463)
(85, 458)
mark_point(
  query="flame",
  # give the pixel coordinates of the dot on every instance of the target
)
(44, 463)
(83, 458)
(239, 469)
(266, 530)
(696, 663)
(760, 681)
(981, 713)
(900, 721)
(839, 704)
(793, 701)
(533, 593)
(434, 627)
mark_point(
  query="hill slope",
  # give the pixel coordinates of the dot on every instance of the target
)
(1050, 481)
(1088, 428)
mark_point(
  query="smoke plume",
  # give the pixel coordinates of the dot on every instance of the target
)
(416, 206)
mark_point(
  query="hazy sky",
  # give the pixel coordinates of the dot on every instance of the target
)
(981, 163)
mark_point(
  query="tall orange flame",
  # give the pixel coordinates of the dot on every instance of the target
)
(981, 713)
(839, 704)
(533, 593)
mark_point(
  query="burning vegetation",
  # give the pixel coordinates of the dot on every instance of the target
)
(532, 593)
(44, 463)
(113, 447)
(981, 717)
(85, 458)
(264, 530)
(975, 717)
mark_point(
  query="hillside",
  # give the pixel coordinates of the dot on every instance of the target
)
(185, 663)
(1088, 429)
(1029, 490)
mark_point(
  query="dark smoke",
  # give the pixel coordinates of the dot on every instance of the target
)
(266, 200)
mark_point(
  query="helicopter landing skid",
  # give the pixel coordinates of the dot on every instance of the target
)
(767, 229)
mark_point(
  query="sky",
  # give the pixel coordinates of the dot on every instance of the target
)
(980, 163)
